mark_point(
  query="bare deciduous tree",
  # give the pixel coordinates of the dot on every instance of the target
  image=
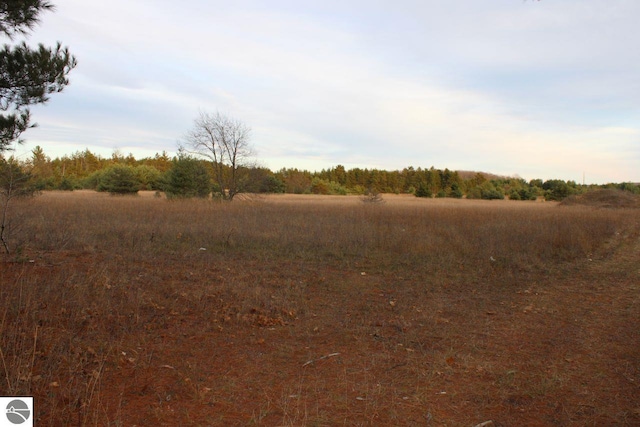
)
(225, 142)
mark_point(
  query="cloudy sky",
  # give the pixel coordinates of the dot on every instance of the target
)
(540, 89)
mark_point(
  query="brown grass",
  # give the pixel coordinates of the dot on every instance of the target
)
(139, 310)
(607, 198)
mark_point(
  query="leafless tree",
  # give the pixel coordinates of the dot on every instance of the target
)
(225, 142)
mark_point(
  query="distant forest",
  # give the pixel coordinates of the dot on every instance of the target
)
(186, 176)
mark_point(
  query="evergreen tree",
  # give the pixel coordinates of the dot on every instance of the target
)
(423, 191)
(27, 76)
(271, 184)
(119, 179)
(188, 178)
(14, 183)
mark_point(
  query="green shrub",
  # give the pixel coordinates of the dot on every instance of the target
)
(319, 186)
(492, 194)
(14, 180)
(456, 191)
(148, 176)
(630, 187)
(92, 181)
(514, 195)
(187, 178)
(337, 188)
(67, 184)
(556, 189)
(474, 193)
(423, 191)
(488, 191)
(119, 179)
(271, 184)
(523, 194)
(41, 184)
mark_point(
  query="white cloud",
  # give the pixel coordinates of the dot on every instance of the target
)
(542, 89)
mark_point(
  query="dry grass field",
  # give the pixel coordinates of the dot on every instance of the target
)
(321, 311)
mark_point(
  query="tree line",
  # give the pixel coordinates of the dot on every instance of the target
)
(214, 158)
(185, 175)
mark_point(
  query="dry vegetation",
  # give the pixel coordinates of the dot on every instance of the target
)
(608, 198)
(321, 311)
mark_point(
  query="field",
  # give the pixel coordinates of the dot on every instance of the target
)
(321, 311)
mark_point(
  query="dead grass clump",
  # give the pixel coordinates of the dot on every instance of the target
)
(607, 198)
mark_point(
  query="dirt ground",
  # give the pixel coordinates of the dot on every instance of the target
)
(321, 343)
(565, 352)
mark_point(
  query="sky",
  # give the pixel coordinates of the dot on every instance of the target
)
(544, 89)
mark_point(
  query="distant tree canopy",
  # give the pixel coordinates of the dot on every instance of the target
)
(27, 76)
(188, 176)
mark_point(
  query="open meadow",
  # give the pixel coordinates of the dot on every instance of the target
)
(291, 310)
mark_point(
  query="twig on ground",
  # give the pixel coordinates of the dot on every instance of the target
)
(320, 358)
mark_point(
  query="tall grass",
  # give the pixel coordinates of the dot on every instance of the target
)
(429, 235)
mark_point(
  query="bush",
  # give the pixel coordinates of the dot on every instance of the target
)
(630, 187)
(556, 189)
(337, 188)
(271, 184)
(423, 191)
(319, 186)
(523, 194)
(148, 176)
(14, 180)
(119, 179)
(41, 184)
(492, 194)
(488, 191)
(92, 181)
(474, 193)
(187, 178)
(456, 191)
(67, 184)
(323, 186)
